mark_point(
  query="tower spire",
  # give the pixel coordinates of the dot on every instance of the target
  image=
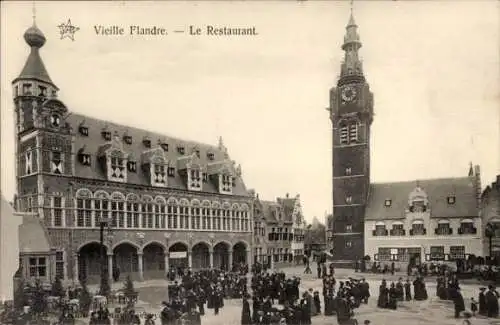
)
(352, 68)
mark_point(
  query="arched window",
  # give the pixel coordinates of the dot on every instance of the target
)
(83, 208)
(245, 220)
(398, 229)
(184, 214)
(133, 208)
(225, 216)
(467, 227)
(172, 213)
(147, 212)
(418, 228)
(195, 215)
(216, 217)
(101, 206)
(205, 215)
(160, 213)
(380, 229)
(443, 228)
(117, 210)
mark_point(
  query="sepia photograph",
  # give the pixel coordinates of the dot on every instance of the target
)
(250, 162)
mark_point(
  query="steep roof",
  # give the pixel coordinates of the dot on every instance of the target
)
(437, 190)
(32, 236)
(93, 143)
(270, 210)
(34, 68)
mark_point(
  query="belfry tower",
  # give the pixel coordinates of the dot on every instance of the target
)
(351, 113)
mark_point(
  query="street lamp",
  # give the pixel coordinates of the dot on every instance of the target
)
(490, 233)
(105, 288)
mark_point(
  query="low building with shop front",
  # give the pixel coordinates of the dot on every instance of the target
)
(164, 201)
(278, 231)
(426, 220)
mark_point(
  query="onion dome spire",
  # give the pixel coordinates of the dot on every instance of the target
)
(34, 67)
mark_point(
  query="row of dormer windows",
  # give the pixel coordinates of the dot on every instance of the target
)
(106, 135)
(466, 228)
(28, 90)
(450, 199)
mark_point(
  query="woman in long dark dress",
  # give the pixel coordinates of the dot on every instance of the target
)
(245, 313)
(393, 297)
(383, 295)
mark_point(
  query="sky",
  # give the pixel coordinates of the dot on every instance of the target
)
(433, 68)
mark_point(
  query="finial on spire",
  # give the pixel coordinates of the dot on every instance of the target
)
(221, 143)
(352, 5)
(34, 13)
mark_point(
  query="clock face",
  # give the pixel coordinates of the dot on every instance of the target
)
(348, 93)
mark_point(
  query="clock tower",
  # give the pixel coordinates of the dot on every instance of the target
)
(351, 113)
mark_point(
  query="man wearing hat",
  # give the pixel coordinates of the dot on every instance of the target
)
(482, 302)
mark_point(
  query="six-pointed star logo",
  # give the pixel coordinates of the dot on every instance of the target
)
(68, 30)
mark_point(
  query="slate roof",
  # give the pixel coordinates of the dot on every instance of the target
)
(269, 210)
(437, 190)
(93, 143)
(34, 68)
(32, 236)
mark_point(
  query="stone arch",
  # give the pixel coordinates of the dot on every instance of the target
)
(101, 194)
(245, 207)
(127, 241)
(153, 256)
(177, 252)
(380, 223)
(205, 203)
(160, 200)
(243, 242)
(200, 255)
(443, 221)
(118, 196)
(417, 221)
(147, 198)
(466, 220)
(235, 206)
(184, 202)
(132, 197)
(240, 251)
(195, 202)
(172, 200)
(90, 261)
(226, 205)
(215, 204)
(84, 193)
(221, 251)
(348, 120)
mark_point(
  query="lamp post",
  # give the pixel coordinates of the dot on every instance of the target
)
(489, 231)
(105, 288)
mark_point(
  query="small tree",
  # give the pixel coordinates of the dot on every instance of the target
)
(85, 298)
(129, 291)
(38, 301)
(58, 288)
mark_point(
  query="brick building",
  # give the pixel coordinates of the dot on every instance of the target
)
(490, 206)
(421, 220)
(278, 231)
(168, 201)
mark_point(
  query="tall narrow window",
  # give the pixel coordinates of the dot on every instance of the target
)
(172, 216)
(83, 212)
(57, 212)
(60, 265)
(195, 218)
(101, 210)
(132, 215)
(28, 163)
(344, 134)
(147, 215)
(183, 217)
(353, 133)
(117, 214)
(160, 216)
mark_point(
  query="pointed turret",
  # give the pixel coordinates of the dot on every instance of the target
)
(352, 67)
(471, 169)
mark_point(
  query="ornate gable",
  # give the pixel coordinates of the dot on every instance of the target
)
(113, 159)
(155, 164)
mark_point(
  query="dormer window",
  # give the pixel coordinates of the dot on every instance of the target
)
(210, 155)
(171, 171)
(197, 153)
(26, 89)
(226, 183)
(127, 139)
(164, 146)
(106, 135)
(117, 170)
(54, 93)
(348, 171)
(388, 202)
(194, 179)
(42, 91)
(159, 175)
(55, 120)
(146, 142)
(348, 199)
(451, 199)
(181, 150)
(132, 166)
(84, 158)
(83, 130)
